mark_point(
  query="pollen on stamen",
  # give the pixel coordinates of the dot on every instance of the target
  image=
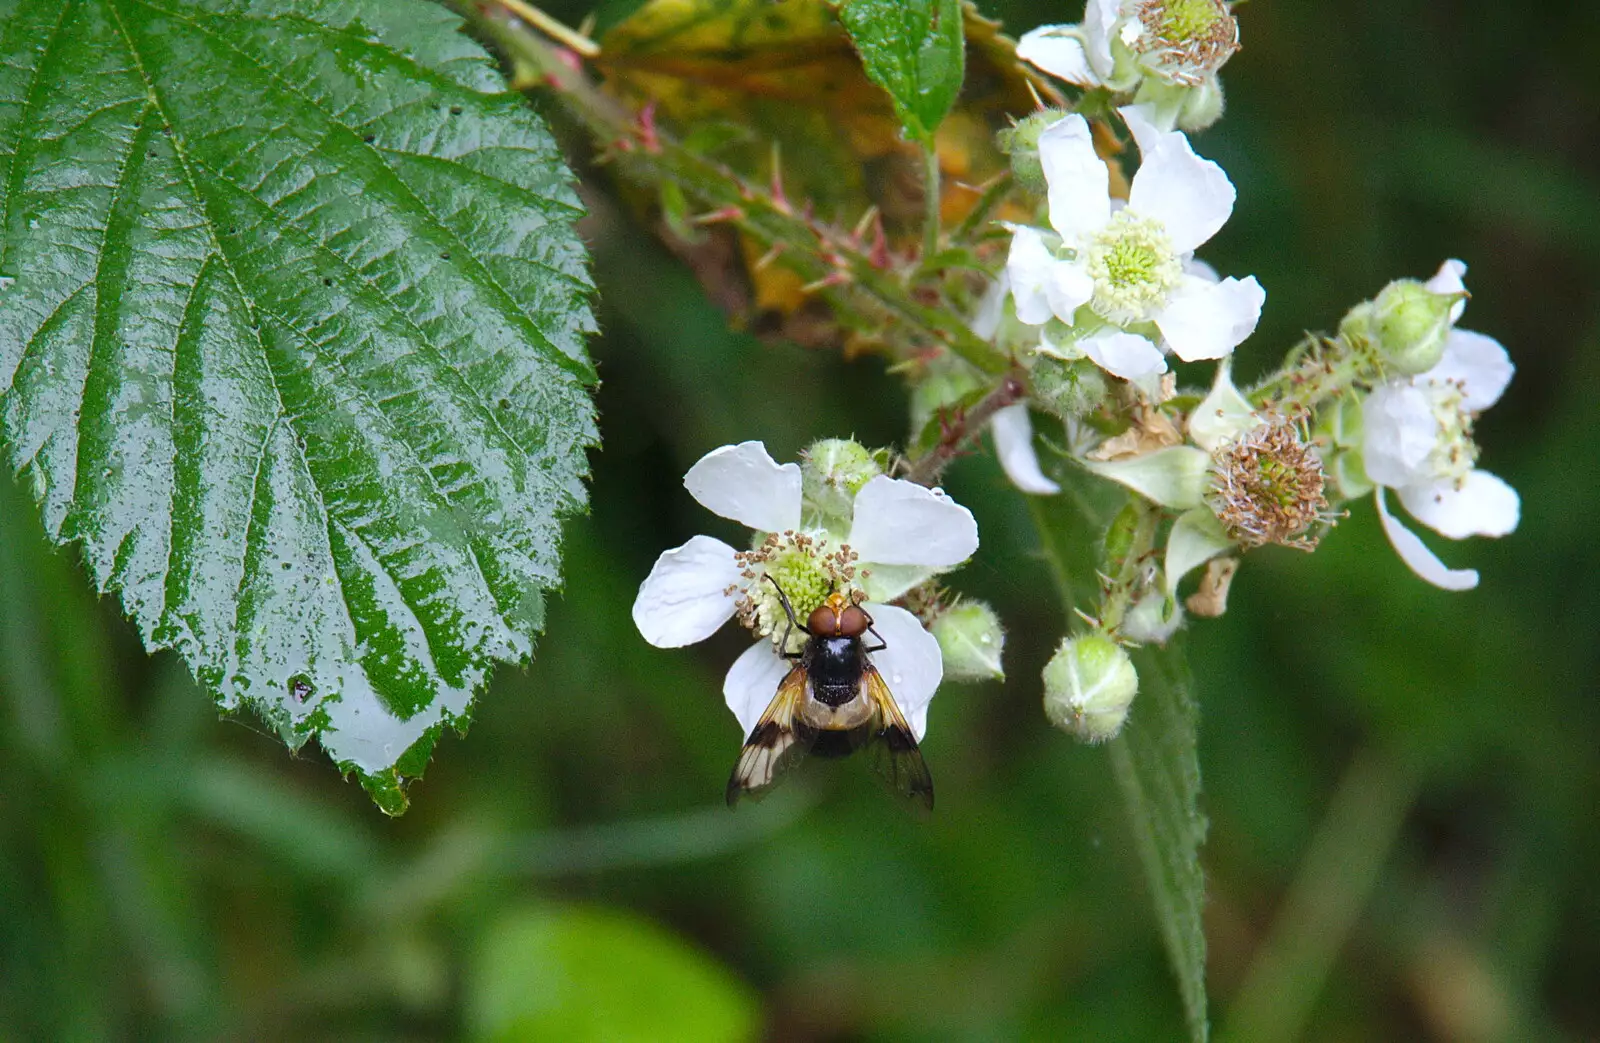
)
(1267, 486)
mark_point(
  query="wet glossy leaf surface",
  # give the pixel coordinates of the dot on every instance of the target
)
(914, 50)
(291, 342)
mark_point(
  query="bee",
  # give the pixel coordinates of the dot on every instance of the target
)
(832, 702)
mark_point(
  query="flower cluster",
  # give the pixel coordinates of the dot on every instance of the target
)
(1096, 295)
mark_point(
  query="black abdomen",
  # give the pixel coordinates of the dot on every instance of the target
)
(835, 665)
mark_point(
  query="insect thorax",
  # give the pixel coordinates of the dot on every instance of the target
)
(835, 665)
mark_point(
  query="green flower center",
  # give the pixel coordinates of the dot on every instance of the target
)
(1134, 268)
(1183, 21)
(1186, 40)
(807, 566)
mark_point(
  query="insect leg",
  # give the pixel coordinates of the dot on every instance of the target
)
(793, 624)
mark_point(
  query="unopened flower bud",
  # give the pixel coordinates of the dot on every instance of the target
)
(832, 471)
(971, 640)
(1068, 388)
(1021, 142)
(1408, 324)
(1088, 686)
(1202, 106)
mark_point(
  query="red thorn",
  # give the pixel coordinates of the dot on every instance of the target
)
(879, 257)
(727, 213)
(647, 129)
(779, 200)
(568, 57)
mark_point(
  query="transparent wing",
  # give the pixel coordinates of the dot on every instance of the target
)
(892, 745)
(779, 741)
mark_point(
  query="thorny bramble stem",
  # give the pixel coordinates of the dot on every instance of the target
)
(825, 260)
(964, 428)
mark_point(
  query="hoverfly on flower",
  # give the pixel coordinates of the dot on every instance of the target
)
(833, 701)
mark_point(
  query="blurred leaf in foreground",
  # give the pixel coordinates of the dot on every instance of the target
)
(578, 974)
(291, 341)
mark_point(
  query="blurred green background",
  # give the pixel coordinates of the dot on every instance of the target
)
(1401, 782)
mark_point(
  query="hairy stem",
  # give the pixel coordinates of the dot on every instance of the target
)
(930, 201)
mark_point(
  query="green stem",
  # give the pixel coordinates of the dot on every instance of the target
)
(1317, 371)
(930, 200)
(829, 263)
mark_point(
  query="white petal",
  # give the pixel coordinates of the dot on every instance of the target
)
(902, 523)
(743, 483)
(1070, 286)
(683, 600)
(1477, 364)
(1028, 268)
(887, 582)
(1079, 183)
(1207, 320)
(1400, 434)
(1224, 414)
(1099, 18)
(1481, 505)
(910, 662)
(1013, 443)
(1173, 477)
(1418, 557)
(1142, 125)
(1122, 354)
(991, 308)
(1191, 196)
(1058, 51)
(1196, 538)
(1448, 279)
(1200, 270)
(752, 681)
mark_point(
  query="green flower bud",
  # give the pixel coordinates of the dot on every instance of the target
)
(1088, 686)
(1068, 388)
(832, 471)
(1407, 323)
(970, 639)
(1202, 106)
(1021, 142)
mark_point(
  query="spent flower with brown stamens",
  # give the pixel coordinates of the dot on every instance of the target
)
(1188, 40)
(1267, 486)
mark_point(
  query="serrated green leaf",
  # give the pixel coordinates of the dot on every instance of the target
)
(291, 342)
(1157, 765)
(915, 50)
